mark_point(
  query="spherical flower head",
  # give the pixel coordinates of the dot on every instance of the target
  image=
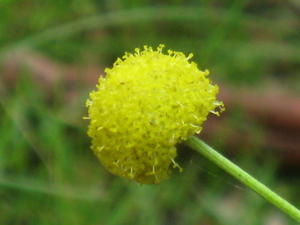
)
(146, 104)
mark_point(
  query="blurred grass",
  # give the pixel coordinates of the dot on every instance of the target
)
(47, 173)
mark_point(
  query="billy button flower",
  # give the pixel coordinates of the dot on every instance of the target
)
(147, 103)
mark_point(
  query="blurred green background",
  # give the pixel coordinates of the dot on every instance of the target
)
(51, 53)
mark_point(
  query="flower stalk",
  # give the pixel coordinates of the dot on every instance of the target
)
(207, 151)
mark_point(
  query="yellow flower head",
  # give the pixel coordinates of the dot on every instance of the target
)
(147, 103)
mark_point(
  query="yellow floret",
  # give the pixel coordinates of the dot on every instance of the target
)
(147, 103)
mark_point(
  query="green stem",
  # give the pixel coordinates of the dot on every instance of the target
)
(199, 146)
